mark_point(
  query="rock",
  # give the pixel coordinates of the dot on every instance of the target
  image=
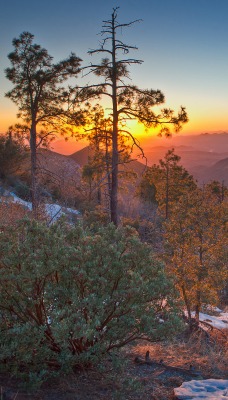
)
(203, 389)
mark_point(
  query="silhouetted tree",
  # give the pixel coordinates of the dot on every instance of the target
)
(169, 180)
(38, 93)
(218, 189)
(98, 170)
(12, 152)
(128, 101)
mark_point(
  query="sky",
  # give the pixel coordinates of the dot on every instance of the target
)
(184, 45)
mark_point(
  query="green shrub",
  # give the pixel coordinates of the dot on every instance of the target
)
(68, 296)
(12, 154)
(22, 190)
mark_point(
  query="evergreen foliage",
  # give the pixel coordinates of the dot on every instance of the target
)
(196, 234)
(12, 153)
(68, 296)
(166, 182)
(40, 95)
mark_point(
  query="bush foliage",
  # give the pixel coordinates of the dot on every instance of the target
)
(12, 153)
(68, 296)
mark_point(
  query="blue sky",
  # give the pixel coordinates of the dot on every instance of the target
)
(184, 45)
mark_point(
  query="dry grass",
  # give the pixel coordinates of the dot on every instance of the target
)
(209, 357)
(11, 212)
(148, 382)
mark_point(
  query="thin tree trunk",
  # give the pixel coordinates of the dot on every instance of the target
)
(108, 169)
(187, 303)
(199, 279)
(167, 194)
(115, 154)
(99, 196)
(98, 174)
(197, 308)
(34, 191)
(114, 183)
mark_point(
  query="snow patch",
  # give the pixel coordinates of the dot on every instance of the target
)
(52, 210)
(220, 322)
(70, 210)
(217, 322)
(18, 200)
(216, 389)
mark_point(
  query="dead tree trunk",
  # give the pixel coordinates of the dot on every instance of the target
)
(34, 186)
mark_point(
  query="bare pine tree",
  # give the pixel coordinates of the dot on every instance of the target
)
(128, 101)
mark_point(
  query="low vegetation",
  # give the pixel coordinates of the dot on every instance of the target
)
(69, 296)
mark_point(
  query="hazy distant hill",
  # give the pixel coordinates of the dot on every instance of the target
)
(210, 142)
(53, 168)
(218, 172)
(59, 165)
(190, 158)
(81, 157)
(204, 165)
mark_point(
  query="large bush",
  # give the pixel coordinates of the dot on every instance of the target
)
(68, 296)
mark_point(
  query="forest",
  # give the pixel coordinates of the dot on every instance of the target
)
(108, 265)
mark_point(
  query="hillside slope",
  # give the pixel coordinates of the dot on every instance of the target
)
(217, 172)
(81, 157)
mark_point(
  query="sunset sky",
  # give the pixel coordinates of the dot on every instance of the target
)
(184, 45)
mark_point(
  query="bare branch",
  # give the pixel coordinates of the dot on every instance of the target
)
(99, 51)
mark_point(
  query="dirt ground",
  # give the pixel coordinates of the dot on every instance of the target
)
(135, 380)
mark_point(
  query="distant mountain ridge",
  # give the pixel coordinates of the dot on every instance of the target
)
(213, 142)
(190, 157)
(204, 166)
(217, 172)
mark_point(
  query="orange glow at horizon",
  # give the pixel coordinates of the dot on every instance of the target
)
(199, 122)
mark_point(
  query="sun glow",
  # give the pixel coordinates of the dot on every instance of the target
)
(139, 131)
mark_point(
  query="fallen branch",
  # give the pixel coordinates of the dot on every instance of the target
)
(191, 371)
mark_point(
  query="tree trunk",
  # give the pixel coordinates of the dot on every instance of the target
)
(187, 303)
(108, 169)
(199, 279)
(115, 154)
(34, 189)
(197, 307)
(99, 196)
(167, 193)
(98, 174)
(114, 184)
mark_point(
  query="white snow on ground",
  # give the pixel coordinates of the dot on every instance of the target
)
(213, 308)
(53, 211)
(217, 322)
(216, 389)
(220, 322)
(70, 210)
(16, 199)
